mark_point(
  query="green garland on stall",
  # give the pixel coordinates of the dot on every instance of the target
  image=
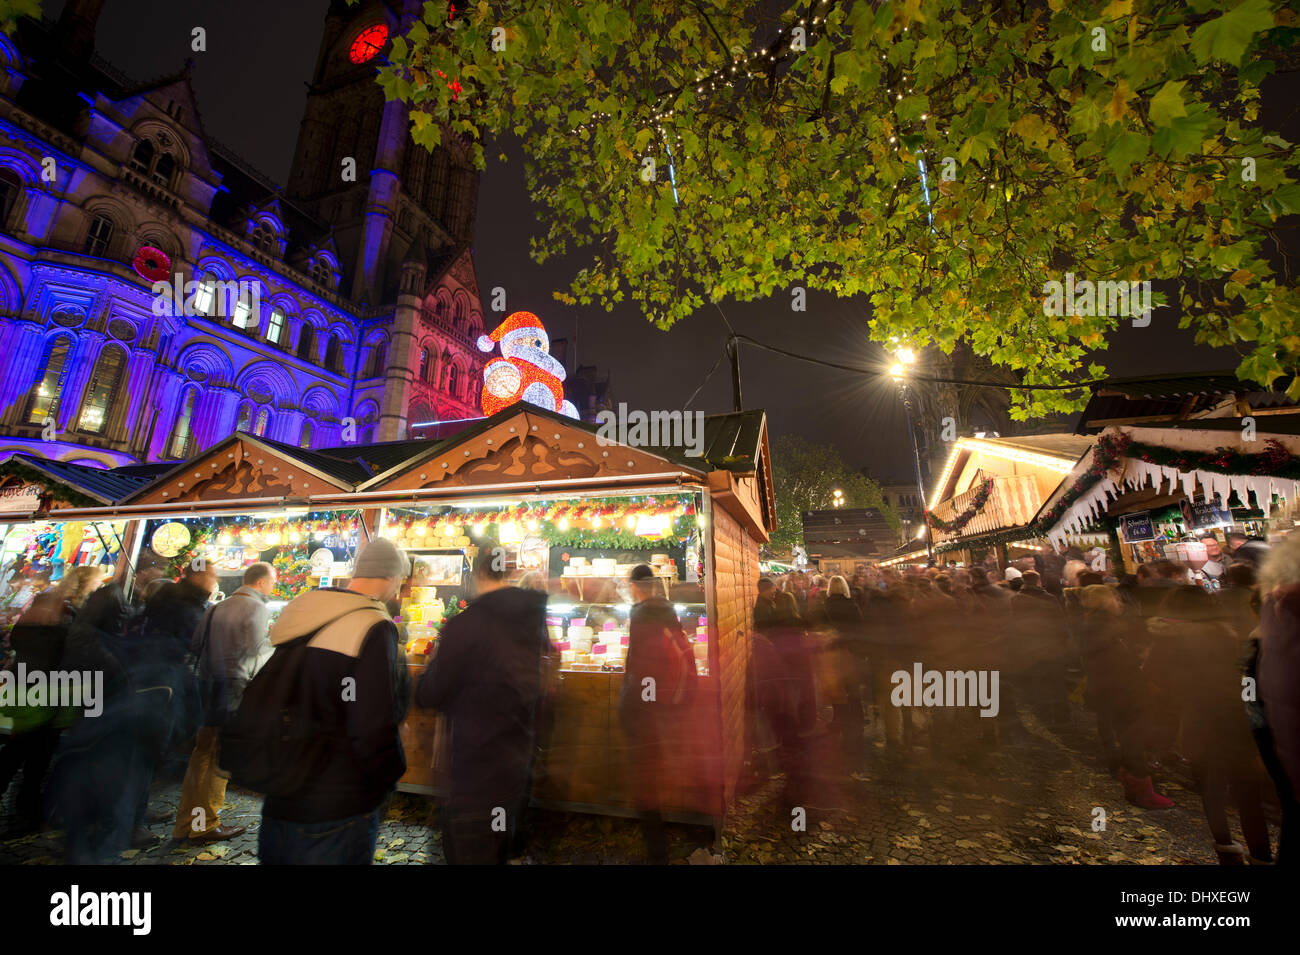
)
(199, 537)
(959, 521)
(603, 538)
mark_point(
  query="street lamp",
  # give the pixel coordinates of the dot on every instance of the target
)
(837, 499)
(898, 371)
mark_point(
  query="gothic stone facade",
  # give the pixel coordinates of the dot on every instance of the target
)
(338, 309)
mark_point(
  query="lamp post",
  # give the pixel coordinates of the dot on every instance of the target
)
(902, 358)
(837, 498)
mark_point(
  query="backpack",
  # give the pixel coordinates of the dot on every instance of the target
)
(274, 744)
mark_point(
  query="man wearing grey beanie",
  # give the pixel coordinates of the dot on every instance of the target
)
(358, 689)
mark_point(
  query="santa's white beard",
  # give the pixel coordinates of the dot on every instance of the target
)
(534, 356)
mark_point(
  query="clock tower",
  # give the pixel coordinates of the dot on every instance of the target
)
(355, 167)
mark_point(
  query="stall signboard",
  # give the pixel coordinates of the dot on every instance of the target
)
(1137, 527)
(1198, 514)
(20, 498)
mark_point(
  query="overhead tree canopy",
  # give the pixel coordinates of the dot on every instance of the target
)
(805, 477)
(945, 159)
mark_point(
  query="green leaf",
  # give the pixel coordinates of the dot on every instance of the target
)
(1167, 104)
(1226, 37)
(1127, 149)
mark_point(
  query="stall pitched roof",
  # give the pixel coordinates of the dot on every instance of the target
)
(1169, 398)
(1065, 447)
(228, 462)
(107, 486)
(428, 451)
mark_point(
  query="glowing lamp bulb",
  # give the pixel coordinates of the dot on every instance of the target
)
(631, 520)
(532, 524)
(478, 529)
(896, 370)
(563, 524)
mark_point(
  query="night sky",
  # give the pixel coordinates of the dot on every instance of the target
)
(251, 89)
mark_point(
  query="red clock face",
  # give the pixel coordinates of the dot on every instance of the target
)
(369, 42)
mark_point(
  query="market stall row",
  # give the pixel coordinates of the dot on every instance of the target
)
(569, 513)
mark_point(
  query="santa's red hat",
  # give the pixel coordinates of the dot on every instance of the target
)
(519, 321)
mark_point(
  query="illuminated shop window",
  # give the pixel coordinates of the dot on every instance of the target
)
(44, 400)
(103, 390)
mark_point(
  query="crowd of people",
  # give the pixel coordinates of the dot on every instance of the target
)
(307, 709)
(1178, 675)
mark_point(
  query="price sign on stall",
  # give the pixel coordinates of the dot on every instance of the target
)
(1137, 527)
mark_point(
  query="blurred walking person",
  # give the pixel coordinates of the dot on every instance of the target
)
(658, 687)
(38, 640)
(488, 676)
(230, 645)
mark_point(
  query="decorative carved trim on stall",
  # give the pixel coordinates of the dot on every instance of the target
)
(234, 470)
(526, 448)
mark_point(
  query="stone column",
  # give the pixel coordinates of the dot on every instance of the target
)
(403, 356)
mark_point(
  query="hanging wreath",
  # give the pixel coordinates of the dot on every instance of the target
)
(959, 521)
(152, 264)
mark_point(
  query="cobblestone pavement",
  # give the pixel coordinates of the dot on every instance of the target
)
(1028, 800)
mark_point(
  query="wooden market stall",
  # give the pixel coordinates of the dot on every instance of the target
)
(705, 513)
(990, 490)
(1209, 476)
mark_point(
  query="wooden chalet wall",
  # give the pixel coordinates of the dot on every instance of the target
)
(735, 573)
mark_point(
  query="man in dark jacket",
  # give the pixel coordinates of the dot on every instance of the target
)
(658, 686)
(231, 644)
(356, 689)
(488, 677)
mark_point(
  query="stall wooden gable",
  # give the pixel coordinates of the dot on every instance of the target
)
(521, 445)
(240, 468)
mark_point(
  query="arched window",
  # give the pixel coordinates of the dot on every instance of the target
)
(440, 307)
(205, 294)
(334, 356)
(244, 317)
(378, 359)
(459, 317)
(11, 187)
(103, 390)
(275, 326)
(424, 364)
(163, 169)
(182, 431)
(263, 421)
(305, 440)
(100, 236)
(44, 400)
(307, 343)
(245, 419)
(263, 237)
(142, 156)
(453, 382)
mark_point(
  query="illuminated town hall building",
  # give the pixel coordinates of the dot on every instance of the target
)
(337, 308)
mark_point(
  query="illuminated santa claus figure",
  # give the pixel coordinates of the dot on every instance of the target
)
(528, 372)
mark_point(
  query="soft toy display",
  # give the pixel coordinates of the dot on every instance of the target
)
(528, 372)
